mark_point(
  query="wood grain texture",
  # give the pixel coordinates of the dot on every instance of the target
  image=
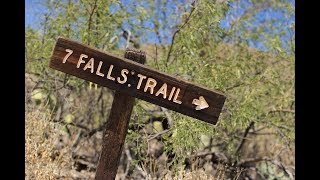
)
(114, 136)
(188, 91)
(116, 128)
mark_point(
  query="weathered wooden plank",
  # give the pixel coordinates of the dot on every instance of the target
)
(114, 136)
(137, 80)
(116, 128)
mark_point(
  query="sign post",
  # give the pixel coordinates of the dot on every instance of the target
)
(131, 79)
(116, 128)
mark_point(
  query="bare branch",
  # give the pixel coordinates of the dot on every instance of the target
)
(76, 139)
(282, 126)
(93, 131)
(170, 121)
(244, 137)
(234, 86)
(283, 110)
(129, 159)
(78, 126)
(255, 133)
(158, 134)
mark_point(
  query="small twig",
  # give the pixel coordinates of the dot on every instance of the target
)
(178, 30)
(100, 96)
(260, 129)
(90, 20)
(77, 125)
(256, 133)
(244, 137)
(129, 159)
(143, 173)
(156, 58)
(127, 35)
(89, 164)
(283, 110)
(170, 121)
(102, 108)
(282, 127)
(234, 86)
(76, 139)
(158, 134)
(93, 131)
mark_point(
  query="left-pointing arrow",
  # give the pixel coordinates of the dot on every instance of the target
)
(200, 103)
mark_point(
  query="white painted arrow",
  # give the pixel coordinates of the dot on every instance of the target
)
(201, 103)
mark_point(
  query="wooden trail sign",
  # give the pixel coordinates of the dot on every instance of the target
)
(131, 79)
(137, 80)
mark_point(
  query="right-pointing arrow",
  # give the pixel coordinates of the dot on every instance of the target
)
(200, 103)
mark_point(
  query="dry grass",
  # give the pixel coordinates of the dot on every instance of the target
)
(39, 151)
(269, 145)
(44, 161)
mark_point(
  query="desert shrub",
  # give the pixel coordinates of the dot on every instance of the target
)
(251, 62)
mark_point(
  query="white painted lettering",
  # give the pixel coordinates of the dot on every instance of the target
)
(171, 93)
(80, 60)
(90, 65)
(109, 73)
(141, 78)
(176, 96)
(123, 74)
(163, 91)
(151, 83)
(67, 56)
(98, 70)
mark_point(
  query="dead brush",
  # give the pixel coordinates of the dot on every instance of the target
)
(39, 148)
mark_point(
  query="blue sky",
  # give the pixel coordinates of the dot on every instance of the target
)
(34, 11)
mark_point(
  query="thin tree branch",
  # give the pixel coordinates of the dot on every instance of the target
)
(129, 159)
(282, 127)
(156, 57)
(283, 110)
(93, 131)
(179, 29)
(90, 20)
(170, 120)
(244, 137)
(234, 86)
(158, 134)
(76, 139)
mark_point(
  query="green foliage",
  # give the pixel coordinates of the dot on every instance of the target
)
(259, 85)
